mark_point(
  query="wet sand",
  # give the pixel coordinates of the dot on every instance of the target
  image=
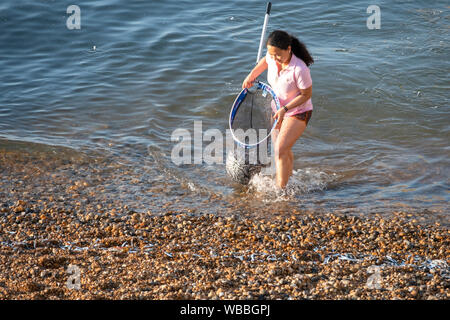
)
(54, 220)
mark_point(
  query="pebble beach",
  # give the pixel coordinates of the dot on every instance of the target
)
(51, 224)
(114, 135)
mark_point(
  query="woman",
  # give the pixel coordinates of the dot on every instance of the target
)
(287, 62)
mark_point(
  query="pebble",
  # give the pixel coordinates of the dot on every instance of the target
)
(124, 251)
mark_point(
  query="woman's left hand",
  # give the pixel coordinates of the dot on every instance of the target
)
(279, 116)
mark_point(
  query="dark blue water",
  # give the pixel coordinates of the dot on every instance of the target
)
(137, 70)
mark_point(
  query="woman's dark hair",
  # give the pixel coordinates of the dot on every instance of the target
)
(283, 40)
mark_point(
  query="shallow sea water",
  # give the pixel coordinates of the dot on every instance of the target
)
(117, 89)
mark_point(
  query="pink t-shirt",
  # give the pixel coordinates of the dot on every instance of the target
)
(288, 82)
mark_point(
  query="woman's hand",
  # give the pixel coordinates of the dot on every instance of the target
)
(248, 82)
(257, 70)
(279, 115)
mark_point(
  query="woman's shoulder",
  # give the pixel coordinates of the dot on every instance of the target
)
(269, 59)
(299, 63)
(301, 73)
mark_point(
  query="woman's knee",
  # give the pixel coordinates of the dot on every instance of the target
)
(283, 151)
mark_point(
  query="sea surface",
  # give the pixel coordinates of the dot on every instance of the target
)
(135, 71)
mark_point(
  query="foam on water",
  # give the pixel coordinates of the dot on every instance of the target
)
(301, 182)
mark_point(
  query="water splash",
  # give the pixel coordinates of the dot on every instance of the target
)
(301, 182)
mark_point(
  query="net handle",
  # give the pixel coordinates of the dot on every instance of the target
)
(263, 33)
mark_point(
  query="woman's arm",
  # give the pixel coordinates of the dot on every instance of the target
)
(305, 95)
(257, 70)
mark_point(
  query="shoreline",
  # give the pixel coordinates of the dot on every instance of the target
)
(131, 238)
(64, 178)
(185, 256)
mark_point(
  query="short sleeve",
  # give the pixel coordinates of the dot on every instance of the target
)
(268, 58)
(303, 75)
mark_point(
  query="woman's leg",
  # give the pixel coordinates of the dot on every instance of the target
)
(291, 161)
(291, 129)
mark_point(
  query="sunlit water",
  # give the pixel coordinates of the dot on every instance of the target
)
(138, 70)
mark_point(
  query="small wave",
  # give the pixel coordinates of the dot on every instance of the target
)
(302, 181)
(172, 174)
